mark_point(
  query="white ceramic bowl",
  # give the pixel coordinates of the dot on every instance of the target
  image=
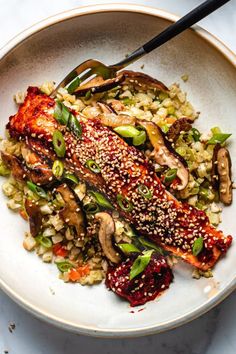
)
(47, 51)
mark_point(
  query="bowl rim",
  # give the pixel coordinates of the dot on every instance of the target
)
(35, 310)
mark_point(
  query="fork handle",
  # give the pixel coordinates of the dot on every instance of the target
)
(173, 30)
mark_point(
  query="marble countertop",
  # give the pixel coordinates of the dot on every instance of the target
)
(213, 333)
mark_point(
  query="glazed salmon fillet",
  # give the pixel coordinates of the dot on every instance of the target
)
(122, 169)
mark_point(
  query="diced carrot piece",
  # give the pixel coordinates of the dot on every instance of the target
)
(23, 214)
(59, 250)
(76, 274)
(170, 120)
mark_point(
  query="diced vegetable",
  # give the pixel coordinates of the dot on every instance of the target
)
(4, 171)
(59, 250)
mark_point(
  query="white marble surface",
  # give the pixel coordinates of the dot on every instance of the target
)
(213, 333)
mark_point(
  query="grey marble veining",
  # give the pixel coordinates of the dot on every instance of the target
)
(213, 333)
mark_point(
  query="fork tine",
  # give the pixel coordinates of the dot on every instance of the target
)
(88, 65)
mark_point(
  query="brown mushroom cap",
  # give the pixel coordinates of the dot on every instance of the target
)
(136, 79)
(163, 155)
(224, 172)
(72, 212)
(181, 124)
(35, 217)
(105, 235)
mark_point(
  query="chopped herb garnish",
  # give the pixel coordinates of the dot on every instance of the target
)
(72, 178)
(150, 245)
(58, 168)
(100, 199)
(91, 208)
(37, 190)
(93, 166)
(59, 143)
(145, 191)
(197, 246)
(74, 126)
(218, 138)
(64, 266)
(88, 95)
(196, 134)
(140, 264)
(128, 248)
(123, 203)
(170, 175)
(140, 139)
(127, 131)
(73, 85)
(44, 241)
(61, 113)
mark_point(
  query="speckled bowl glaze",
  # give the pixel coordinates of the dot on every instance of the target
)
(47, 51)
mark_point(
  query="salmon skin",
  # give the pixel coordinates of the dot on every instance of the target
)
(123, 169)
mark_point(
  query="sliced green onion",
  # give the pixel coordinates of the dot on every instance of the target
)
(215, 130)
(37, 190)
(91, 208)
(197, 246)
(61, 113)
(218, 138)
(165, 128)
(100, 199)
(64, 266)
(128, 101)
(144, 191)
(150, 245)
(196, 134)
(57, 168)
(170, 175)
(74, 126)
(72, 178)
(93, 166)
(127, 131)
(140, 264)
(88, 95)
(128, 248)
(123, 203)
(140, 139)
(44, 241)
(59, 143)
(73, 85)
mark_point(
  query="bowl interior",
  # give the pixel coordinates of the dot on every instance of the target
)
(49, 55)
